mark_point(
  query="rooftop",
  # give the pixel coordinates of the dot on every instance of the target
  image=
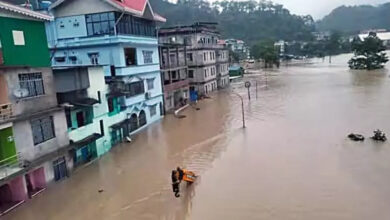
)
(24, 11)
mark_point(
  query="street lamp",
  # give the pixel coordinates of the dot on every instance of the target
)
(242, 108)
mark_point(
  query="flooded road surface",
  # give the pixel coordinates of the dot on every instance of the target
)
(293, 161)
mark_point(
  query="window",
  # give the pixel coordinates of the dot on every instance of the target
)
(94, 57)
(152, 110)
(18, 37)
(130, 56)
(150, 83)
(204, 56)
(191, 74)
(111, 105)
(99, 24)
(135, 26)
(42, 129)
(32, 83)
(147, 56)
(135, 88)
(211, 56)
(205, 73)
(190, 57)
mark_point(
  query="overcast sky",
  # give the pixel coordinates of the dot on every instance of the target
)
(320, 8)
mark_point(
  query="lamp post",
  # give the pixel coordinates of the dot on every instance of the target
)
(242, 108)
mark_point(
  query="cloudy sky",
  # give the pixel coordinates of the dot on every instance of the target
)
(320, 8)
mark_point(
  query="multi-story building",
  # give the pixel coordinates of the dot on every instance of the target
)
(113, 45)
(202, 53)
(222, 67)
(33, 137)
(174, 72)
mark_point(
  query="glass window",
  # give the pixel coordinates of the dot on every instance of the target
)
(150, 83)
(153, 110)
(101, 23)
(32, 84)
(42, 129)
(135, 88)
(148, 56)
(191, 73)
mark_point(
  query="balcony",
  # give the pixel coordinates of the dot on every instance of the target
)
(176, 85)
(10, 166)
(173, 65)
(5, 111)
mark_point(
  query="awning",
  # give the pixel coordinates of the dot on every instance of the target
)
(79, 144)
(116, 94)
(119, 125)
(84, 102)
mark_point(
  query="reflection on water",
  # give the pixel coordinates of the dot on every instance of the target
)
(293, 161)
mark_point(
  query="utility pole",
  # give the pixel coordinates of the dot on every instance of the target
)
(256, 89)
(242, 109)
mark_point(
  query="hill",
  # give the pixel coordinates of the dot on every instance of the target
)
(353, 19)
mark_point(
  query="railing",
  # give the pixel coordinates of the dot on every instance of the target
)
(10, 165)
(176, 85)
(5, 111)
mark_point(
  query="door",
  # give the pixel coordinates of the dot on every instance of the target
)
(60, 169)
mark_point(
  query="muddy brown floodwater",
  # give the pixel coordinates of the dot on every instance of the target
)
(293, 161)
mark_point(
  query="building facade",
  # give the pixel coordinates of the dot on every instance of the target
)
(201, 41)
(112, 46)
(174, 73)
(33, 136)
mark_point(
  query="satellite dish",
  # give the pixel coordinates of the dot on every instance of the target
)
(20, 93)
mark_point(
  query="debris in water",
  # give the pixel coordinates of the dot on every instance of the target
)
(379, 136)
(356, 137)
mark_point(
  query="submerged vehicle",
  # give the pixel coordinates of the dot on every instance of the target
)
(379, 136)
(356, 137)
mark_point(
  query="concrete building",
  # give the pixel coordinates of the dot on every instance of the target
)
(33, 134)
(112, 45)
(201, 41)
(174, 72)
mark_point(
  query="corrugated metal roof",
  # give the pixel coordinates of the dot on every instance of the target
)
(25, 11)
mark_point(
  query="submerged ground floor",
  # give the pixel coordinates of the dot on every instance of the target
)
(293, 161)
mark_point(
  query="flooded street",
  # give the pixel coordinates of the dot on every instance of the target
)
(293, 161)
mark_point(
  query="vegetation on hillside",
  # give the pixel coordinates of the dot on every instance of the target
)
(353, 19)
(248, 20)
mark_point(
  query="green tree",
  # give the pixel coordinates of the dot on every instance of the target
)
(368, 54)
(266, 51)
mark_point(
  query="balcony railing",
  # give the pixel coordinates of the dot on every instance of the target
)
(5, 111)
(10, 166)
(176, 85)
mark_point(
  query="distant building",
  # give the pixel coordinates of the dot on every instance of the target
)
(174, 72)
(204, 55)
(321, 36)
(33, 133)
(384, 36)
(238, 47)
